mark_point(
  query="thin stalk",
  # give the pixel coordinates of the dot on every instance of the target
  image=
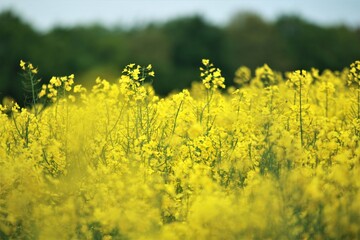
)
(301, 120)
(176, 116)
(33, 93)
(148, 122)
(208, 99)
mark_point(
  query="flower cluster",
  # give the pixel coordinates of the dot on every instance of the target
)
(55, 84)
(211, 76)
(59, 86)
(354, 74)
(265, 76)
(242, 76)
(28, 67)
(137, 73)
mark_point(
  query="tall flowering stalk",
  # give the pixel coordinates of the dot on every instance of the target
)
(132, 86)
(354, 83)
(300, 81)
(211, 79)
(30, 82)
(326, 89)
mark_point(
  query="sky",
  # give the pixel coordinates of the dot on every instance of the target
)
(45, 14)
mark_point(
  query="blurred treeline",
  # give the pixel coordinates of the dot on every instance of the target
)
(174, 48)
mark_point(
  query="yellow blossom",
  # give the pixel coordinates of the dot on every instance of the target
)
(22, 64)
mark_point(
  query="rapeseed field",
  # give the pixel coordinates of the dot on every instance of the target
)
(274, 156)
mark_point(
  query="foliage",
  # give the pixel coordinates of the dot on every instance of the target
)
(277, 158)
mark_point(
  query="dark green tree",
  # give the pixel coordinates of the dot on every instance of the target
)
(17, 41)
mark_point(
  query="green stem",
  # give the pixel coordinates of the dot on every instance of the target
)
(148, 122)
(208, 102)
(33, 93)
(176, 116)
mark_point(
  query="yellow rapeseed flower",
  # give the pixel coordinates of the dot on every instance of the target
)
(205, 62)
(22, 64)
